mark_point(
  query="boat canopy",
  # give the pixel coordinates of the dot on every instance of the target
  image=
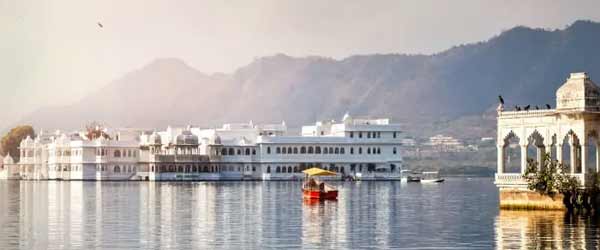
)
(318, 172)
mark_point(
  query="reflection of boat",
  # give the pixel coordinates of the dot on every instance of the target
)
(431, 177)
(314, 189)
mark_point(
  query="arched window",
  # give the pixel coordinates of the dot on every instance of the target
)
(195, 169)
(378, 151)
(296, 169)
(342, 170)
(268, 169)
(289, 150)
(310, 150)
(117, 153)
(330, 150)
(223, 151)
(253, 151)
(205, 169)
(295, 150)
(278, 150)
(351, 151)
(289, 169)
(180, 169)
(351, 134)
(359, 134)
(187, 168)
(337, 151)
(239, 152)
(317, 150)
(268, 150)
(277, 169)
(283, 150)
(325, 150)
(368, 134)
(163, 169)
(394, 134)
(117, 169)
(368, 150)
(394, 150)
(171, 168)
(253, 169)
(303, 150)
(247, 151)
(231, 151)
(359, 150)
(342, 151)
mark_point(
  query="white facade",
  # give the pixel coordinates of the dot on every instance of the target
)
(367, 149)
(568, 133)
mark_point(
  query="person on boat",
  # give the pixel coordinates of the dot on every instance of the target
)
(322, 187)
(312, 184)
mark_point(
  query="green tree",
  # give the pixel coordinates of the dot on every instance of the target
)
(551, 179)
(10, 142)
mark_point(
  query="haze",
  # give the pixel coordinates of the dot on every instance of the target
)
(53, 52)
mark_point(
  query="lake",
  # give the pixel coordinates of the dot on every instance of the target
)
(461, 213)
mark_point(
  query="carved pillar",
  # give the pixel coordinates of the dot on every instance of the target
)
(583, 158)
(500, 149)
(523, 158)
(540, 156)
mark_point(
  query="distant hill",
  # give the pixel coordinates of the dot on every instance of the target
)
(524, 65)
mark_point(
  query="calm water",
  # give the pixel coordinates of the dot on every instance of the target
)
(460, 213)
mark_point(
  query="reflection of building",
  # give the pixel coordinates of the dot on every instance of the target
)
(542, 230)
(361, 148)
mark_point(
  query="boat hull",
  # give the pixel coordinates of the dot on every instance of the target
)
(320, 195)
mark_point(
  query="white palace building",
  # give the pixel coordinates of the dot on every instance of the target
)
(366, 149)
(568, 133)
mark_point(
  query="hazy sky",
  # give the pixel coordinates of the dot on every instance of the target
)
(53, 52)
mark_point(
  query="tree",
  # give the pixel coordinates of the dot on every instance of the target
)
(551, 179)
(95, 130)
(11, 141)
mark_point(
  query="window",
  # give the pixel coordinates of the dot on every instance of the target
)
(368, 150)
(253, 151)
(342, 151)
(195, 169)
(310, 150)
(359, 150)
(295, 150)
(247, 151)
(378, 134)
(180, 169)
(289, 150)
(223, 151)
(239, 152)
(317, 150)
(351, 151)
(283, 150)
(368, 134)
(253, 169)
(351, 134)
(117, 169)
(303, 150)
(277, 170)
(325, 151)
(289, 169)
(296, 169)
(278, 150)
(330, 150)
(394, 150)
(394, 134)
(231, 151)
(359, 134)
(268, 150)
(268, 169)
(337, 151)
(378, 151)
(117, 153)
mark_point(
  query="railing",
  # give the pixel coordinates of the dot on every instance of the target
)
(516, 179)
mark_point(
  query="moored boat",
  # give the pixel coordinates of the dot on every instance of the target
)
(431, 177)
(312, 188)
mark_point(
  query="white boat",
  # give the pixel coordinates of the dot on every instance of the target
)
(431, 177)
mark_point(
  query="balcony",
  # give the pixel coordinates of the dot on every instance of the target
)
(516, 180)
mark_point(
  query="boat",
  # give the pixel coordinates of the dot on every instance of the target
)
(408, 176)
(312, 188)
(431, 177)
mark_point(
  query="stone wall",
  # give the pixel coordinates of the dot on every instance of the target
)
(526, 199)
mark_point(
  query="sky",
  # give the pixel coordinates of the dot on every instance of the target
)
(54, 52)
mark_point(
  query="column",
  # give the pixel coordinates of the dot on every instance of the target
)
(597, 158)
(541, 150)
(573, 151)
(559, 148)
(583, 157)
(523, 158)
(500, 159)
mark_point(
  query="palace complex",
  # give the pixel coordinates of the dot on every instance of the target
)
(367, 149)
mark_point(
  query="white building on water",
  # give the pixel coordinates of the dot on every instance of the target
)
(366, 149)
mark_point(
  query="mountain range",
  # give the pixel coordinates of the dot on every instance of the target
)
(447, 91)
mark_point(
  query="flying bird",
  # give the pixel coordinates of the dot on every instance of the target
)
(100, 25)
(548, 106)
(527, 107)
(501, 99)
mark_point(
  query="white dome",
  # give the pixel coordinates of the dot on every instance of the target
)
(578, 93)
(187, 138)
(154, 138)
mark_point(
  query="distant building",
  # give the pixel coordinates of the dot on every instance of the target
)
(367, 149)
(445, 143)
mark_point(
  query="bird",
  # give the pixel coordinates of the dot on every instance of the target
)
(501, 99)
(536, 107)
(548, 106)
(527, 107)
(517, 108)
(100, 25)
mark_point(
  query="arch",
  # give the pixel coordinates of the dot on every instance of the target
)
(310, 150)
(239, 151)
(179, 169)
(325, 150)
(317, 150)
(278, 150)
(268, 169)
(247, 151)
(289, 149)
(511, 153)
(268, 150)
(277, 169)
(205, 169)
(117, 169)
(223, 151)
(337, 150)
(289, 169)
(195, 169)
(303, 150)
(295, 150)
(231, 151)
(117, 153)
(296, 169)
(253, 151)
(342, 151)
(592, 154)
(571, 152)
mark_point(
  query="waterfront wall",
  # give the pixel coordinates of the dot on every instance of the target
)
(526, 199)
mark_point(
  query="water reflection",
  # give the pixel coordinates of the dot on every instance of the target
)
(546, 230)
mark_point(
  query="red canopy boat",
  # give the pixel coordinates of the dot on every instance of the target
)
(313, 189)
